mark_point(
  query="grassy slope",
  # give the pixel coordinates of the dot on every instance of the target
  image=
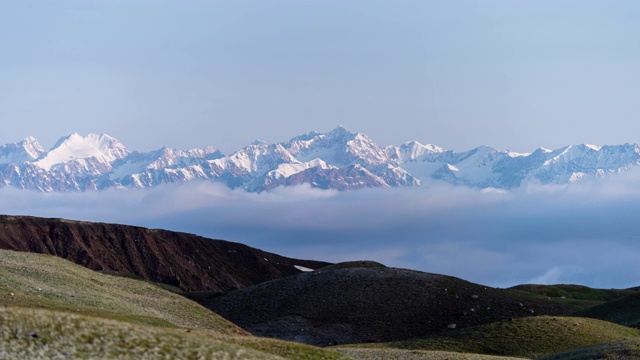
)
(45, 281)
(625, 311)
(620, 350)
(526, 337)
(400, 354)
(577, 292)
(45, 334)
(578, 296)
(59, 309)
(75, 309)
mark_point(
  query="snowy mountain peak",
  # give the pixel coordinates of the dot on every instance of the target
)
(340, 133)
(338, 147)
(28, 149)
(338, 159)
(413, 150)
(258, 142)
(103, 148)
(32, 147)
(91, 139)
(368, 152)
(306, 136)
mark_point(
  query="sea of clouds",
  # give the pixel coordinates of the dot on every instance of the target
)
(583, 233)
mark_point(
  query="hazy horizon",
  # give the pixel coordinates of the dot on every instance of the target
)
(582, 233)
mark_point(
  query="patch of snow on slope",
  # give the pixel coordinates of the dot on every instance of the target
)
(302, 268)
(286, 170)
(577, 176)
(517, 154)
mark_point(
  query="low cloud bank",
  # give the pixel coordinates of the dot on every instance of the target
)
(585, 233)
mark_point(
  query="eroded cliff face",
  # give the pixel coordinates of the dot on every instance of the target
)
(187, 261)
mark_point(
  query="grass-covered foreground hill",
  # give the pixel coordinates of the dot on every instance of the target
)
(44, 334)
(48, 282)
(619, 350)
(531, 337)
(51, 308)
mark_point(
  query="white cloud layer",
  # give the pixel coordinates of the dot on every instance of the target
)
(585, 233)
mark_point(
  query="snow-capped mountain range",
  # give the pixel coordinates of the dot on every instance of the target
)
(337, 159)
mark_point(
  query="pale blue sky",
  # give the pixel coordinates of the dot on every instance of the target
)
(510, 74)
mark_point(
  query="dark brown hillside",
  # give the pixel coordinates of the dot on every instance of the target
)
(356, 303)
(190, 262)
